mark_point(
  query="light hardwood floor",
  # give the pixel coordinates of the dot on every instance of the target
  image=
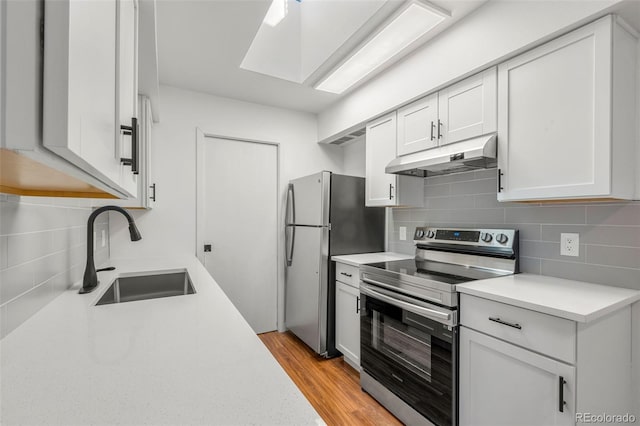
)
(331, 385)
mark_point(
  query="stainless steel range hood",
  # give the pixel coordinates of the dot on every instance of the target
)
(472, 154)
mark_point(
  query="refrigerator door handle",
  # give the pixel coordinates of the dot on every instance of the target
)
(291, 208)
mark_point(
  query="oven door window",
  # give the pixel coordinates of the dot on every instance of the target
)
(412, 356)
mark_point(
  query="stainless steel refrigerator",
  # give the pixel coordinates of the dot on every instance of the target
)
(326, 216)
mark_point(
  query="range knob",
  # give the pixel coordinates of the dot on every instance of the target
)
(502, 239)
(486, 237)
(419, 233)
(430, 234)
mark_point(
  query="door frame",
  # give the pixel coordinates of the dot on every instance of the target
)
(201, 136)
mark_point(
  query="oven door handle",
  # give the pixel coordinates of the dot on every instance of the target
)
(411, 307)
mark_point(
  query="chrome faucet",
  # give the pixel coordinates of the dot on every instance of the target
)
(90, 281)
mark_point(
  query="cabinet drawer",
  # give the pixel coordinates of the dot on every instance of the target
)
(546, 334)
(347, 274)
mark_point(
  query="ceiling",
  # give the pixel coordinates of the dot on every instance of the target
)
(201, 44)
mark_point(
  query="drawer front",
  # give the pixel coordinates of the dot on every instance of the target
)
(347, 274)
(546, 334)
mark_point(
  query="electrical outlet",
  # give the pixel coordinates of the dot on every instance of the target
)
(570, 244)
(104, 238)
(403, 233)
(94, 240)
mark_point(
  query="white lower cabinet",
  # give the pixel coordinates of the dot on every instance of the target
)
(348, 314)
(522, 367)
(503, 384)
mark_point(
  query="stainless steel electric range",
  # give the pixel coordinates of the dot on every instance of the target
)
(409, 319)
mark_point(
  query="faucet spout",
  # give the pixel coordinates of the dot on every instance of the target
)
(90, 281)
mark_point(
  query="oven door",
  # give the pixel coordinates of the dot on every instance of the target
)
(410, 347)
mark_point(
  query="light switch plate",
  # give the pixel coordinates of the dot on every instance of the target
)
(403, 233)
(569, 244)
(104, 238)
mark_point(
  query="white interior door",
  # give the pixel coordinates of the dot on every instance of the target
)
(237, 202)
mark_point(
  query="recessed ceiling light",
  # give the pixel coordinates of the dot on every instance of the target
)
(276, 13)
(414, 20)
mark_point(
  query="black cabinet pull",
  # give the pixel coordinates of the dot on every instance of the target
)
(390, 191)
(345, 274)
(357, 304)
(133, 132)
(153, 187)
(433, 127)
(509, 324)
(500, 174)
(439, 126)
(561, 401)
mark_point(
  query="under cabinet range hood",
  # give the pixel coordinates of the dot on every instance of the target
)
(472, 154)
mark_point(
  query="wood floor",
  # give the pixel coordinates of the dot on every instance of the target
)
(331, 385)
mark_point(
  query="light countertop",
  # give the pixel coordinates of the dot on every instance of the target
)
(188, 360)
(360, 259)
(573, 300)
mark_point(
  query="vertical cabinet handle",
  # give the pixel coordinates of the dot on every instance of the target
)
(439, 129)
(357, 304)
(153, 188)
(391, 191)
(500, 174)
(561, 401)
(433, 127)
(133, 132)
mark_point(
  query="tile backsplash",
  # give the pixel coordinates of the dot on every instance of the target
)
(609, 250)
(42, 252)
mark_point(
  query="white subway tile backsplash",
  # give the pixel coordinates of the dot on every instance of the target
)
(546, 214)
(620, 214)
(628, 236)
(3, 251)
(609, 233)
(626, 257)
(15, 281)
(602, 274)
(25, 247)
(42, 252)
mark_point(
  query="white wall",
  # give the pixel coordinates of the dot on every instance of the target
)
(495, 31)
(354, 158)
(170, 228)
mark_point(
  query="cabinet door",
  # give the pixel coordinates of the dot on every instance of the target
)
(380, 149)
(555, 118)
(79, 89)
(348, 322)
(503, 384)
(469, 108)
(417, 125)
(127, 89)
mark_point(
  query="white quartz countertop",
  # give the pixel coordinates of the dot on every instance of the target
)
(573, 300)
(187, 360)
(360, 259)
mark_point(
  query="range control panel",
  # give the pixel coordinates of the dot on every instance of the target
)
(474, 237)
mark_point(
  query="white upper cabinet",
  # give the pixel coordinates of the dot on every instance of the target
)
(566, 117)
(462, 111)
(417, 124)
(90, 86)
(469, 108)
(384, 189)
(128, 95)
(380, 150)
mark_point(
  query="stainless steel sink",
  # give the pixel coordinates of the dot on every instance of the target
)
(142, 287)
